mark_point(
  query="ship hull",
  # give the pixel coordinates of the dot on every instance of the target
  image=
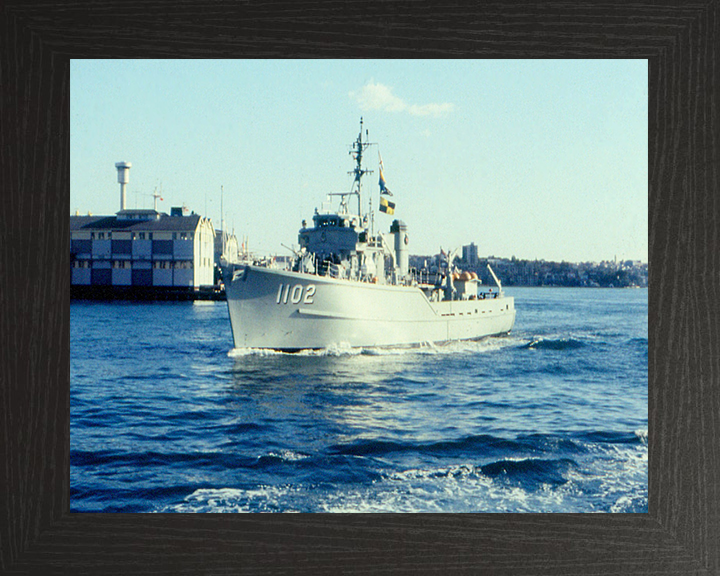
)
(290, 311)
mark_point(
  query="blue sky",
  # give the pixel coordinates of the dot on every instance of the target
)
(543, 159)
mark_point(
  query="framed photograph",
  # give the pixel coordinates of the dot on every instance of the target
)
(52, 526)
(369, 357)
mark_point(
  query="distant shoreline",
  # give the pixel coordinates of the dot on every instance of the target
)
(538, 273)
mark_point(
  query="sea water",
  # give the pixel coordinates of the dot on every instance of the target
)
(167, 417)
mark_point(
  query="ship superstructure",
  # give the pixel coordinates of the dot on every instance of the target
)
(350, 285)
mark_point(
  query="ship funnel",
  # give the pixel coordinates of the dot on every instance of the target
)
(399, 231)
(123, 170)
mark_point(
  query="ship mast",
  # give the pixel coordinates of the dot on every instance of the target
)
(357, 151)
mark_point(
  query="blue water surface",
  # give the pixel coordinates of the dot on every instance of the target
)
(167, 417)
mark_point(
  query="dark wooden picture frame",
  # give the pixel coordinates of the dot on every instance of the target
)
(681, 532)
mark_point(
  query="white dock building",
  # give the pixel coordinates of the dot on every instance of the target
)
(142, 249)
(141, 252)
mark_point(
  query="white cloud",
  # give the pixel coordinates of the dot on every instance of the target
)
(376, 96)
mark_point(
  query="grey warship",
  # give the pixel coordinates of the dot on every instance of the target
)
(349, 285)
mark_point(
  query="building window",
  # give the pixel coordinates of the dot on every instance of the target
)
(141, 235)
(92, 235)
(174, 235)
(149, 235)
(132, 235)
(101, 236)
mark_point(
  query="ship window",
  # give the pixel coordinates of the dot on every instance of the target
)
(324, 222)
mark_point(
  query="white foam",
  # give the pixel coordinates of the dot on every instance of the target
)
(234, 500)
(240, 352)
(344, 349)
(340, 349)
(289, 455)
(618, 477)
(615, 481)
(642, 433)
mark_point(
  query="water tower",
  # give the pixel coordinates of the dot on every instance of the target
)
(123, 169)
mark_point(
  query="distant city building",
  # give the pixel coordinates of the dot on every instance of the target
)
(141, 249)
(470, 254)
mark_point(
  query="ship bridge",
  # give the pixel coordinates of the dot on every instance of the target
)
(333, 235)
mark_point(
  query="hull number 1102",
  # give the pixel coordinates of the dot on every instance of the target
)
(295, 294)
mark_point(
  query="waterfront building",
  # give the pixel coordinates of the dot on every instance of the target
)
(228, 244)
(141, 253)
